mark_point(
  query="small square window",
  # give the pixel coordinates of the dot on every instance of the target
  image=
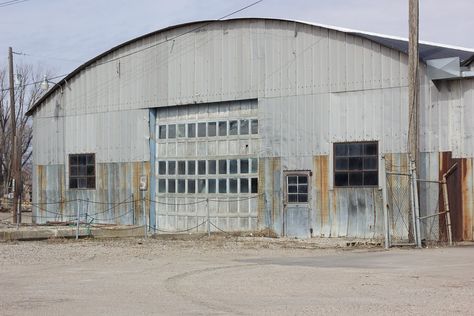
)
(181, 130)
(171, 186)
(223, 128)
(297, 188)
(356, 164)
(191, 186)
(222, 166)
(233, 166)
(181, 167)
(201, 185)
(162, 167)
(211, 185)
(233, 128)
(244, 185)
(254, 165)
(82, 171)
(244, 127)
(162, 131)
(171, 167)
(254, 185)
(254, 126)
(191, 167)
(211, 129)
(222, 185)
(162, 185)
(172, 131)
(191, 130)
(244, 166)
(201, 167)
(232, 185)
(211, 165)
(201, 129)
(181, 186)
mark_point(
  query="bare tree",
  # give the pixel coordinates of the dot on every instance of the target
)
(26, 94)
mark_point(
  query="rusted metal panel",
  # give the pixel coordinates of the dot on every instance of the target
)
(321, 198)
(468, 199)
(455, 191)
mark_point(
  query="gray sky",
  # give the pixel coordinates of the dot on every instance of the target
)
(77, 30)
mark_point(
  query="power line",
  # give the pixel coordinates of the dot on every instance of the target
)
(36, 82)
(12, 2)
(151, 46)
(47, 57)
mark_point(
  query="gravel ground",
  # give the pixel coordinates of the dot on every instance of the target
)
(230, 276)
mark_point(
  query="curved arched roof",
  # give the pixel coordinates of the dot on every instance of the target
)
(427, 50)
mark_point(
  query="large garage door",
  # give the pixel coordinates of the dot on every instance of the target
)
(207, 163)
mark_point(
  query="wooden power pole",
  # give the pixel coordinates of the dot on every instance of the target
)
(413, 81)
(15, 166)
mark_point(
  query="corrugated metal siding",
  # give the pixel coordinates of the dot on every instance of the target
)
(120, 136)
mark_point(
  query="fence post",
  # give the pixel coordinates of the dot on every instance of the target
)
(385, 209)
(144, 213)
(417, 222)
(77, 222)
(444, 186)
(208, 219)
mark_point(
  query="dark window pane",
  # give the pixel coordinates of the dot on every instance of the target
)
(232, 185)
(191, 167)
(254, 185)
(202, 186)
(171, 167)
(192, 130)
(233, 166)
(81, 159)
(81, 171)
(181, 130)
(211, 185)
(162, 186)
(370, 163)
(355, 178)
(342, 163)
(233, 128)
(211, 166)
(201, 129)
(244, 185)
(73, 171)
(222, 166)
(302, 189)
(254, 126)
(244, 166)
(302, 198)
(181, 186)
(292, 189)
(181, 167)
(90, 159)
(223, 128)
(340, 150)
(82, 183)
(73, 160)
(302, 179)
(371, 178)
(370, 149)
(355, 149)
(341, 179)
(73, 183)
(162, 167)
(244, 127)
(292, 198)
(172, 131)
(171, 186)
(254, 165)
(222, 185)
(211, 129)
(162, 131)
(90, 170)
(292, 179)
(355, 163)
(191, 186)
(201, 167)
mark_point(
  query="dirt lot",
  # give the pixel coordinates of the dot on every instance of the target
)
(230, 276)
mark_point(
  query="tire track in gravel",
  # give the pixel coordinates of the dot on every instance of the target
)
(172, 285)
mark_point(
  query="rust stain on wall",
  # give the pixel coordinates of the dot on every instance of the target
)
(467, 199)
(321, 183)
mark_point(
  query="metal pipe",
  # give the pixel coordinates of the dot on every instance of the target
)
(385, 210)
(77, 222)
(208, 219)
(412, 202)
(144, 213)
(446, 209)
(417, 209)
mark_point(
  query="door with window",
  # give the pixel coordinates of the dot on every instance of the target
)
(297, 219)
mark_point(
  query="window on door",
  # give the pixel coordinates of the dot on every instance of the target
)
(297, 187)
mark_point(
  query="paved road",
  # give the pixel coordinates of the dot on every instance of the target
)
(229, 277)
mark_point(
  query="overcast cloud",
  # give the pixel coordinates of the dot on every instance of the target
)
(77, 30)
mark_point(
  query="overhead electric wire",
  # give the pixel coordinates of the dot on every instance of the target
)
(154, 45)
(12, 2)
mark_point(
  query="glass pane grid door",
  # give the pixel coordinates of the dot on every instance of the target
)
(297, 188)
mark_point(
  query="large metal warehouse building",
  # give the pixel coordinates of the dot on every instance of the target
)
(260, 123)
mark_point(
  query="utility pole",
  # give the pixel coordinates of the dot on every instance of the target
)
(413, 81)
(15, 166)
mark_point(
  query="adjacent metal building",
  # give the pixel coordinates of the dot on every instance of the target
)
(262, 123)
